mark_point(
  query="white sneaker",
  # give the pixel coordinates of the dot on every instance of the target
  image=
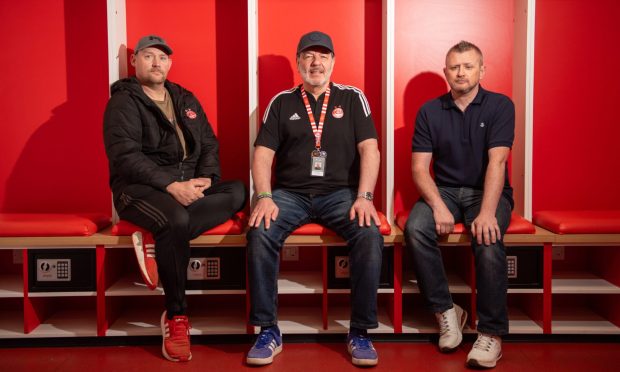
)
(487, 350)
(451, 323)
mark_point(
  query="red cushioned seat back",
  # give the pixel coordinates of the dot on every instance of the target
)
(51, 224)
(316, 229)
(579, 222)
(518, 224)
(233, 226)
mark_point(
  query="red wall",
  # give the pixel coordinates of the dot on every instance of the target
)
(355, 28)
(576, 126)
(425, 30)
(209, 40)
(54, 89)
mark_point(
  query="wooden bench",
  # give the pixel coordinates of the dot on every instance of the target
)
(586, 229)
(54, 231)
(45, 230)
(58, 231)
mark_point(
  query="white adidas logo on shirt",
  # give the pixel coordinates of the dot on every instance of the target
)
(294, 117)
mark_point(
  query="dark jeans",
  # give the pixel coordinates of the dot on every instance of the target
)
(491, 269)
(174, 225)
(332, 211)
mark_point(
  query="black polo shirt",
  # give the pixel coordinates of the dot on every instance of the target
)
(286, 130)
(460, 141)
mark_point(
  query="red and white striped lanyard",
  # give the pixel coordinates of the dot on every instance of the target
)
(316, 129)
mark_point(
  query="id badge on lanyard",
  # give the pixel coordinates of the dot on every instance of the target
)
(318, 157)
(318, 162)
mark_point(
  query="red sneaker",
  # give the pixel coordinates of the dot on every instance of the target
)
(175, 346)
(145, 253)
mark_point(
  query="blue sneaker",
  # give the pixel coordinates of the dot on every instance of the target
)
(267, 345)
(361, 350)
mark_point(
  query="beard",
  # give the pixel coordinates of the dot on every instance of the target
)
(315, 81)
(156, 78)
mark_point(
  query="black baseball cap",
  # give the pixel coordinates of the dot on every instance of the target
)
(153, 41)
(315, 38)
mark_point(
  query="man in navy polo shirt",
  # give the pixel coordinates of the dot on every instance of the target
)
(324, 141)
(467, 134)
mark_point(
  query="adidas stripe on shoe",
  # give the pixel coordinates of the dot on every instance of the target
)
(145, 254)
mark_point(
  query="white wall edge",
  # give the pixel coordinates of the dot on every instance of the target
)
(529, 108)
(387, 173)
(117, 51)
(117, 40)
(252, 80)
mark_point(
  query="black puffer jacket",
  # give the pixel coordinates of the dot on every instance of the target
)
(143, 147)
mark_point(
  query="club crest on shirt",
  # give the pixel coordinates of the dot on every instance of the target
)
(190, 113)
(338, 112)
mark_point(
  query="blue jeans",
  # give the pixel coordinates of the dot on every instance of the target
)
(491, 268)
(332, 211)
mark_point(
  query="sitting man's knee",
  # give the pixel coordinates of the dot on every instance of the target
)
(492, 255)
(238, 193)
(417, 226)
(177, 221)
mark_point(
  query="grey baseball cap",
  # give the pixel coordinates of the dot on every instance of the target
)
(315, 38)
(153, 41)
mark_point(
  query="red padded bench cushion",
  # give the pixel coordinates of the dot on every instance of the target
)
(579, 222)
(233, 226)
(518, 224)
(316, 229)
(51, 224)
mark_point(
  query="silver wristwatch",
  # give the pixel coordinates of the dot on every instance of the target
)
(366, 195)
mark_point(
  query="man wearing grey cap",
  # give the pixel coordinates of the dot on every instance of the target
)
(327, 161)
(165, 178)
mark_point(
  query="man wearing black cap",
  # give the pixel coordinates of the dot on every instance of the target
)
(327, 161)
(164, 175)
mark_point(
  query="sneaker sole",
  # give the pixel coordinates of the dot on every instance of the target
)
(136, 239)
(479, 364)
(163, 345)
(264, 361)
(460, 339)
(362, 362)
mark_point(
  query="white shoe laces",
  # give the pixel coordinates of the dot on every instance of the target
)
(484, 343)
(444, 324)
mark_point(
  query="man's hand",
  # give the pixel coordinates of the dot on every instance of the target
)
(186, 192)
(485, 228)
(265, 208)
(205, 183)
(365, 210)
(444, 220)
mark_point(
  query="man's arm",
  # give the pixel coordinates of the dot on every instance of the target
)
(370, 161)
(420, 164)
(122, 135)
(485, 226)
(265, 208)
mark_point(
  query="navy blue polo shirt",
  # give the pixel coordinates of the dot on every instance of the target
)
(460, 141)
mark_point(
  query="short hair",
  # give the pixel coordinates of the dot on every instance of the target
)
(464, 46)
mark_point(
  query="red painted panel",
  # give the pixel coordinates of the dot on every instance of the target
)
(209, 40)
(355, 28)
(575, 101)
(54, 91)
(425, 30)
